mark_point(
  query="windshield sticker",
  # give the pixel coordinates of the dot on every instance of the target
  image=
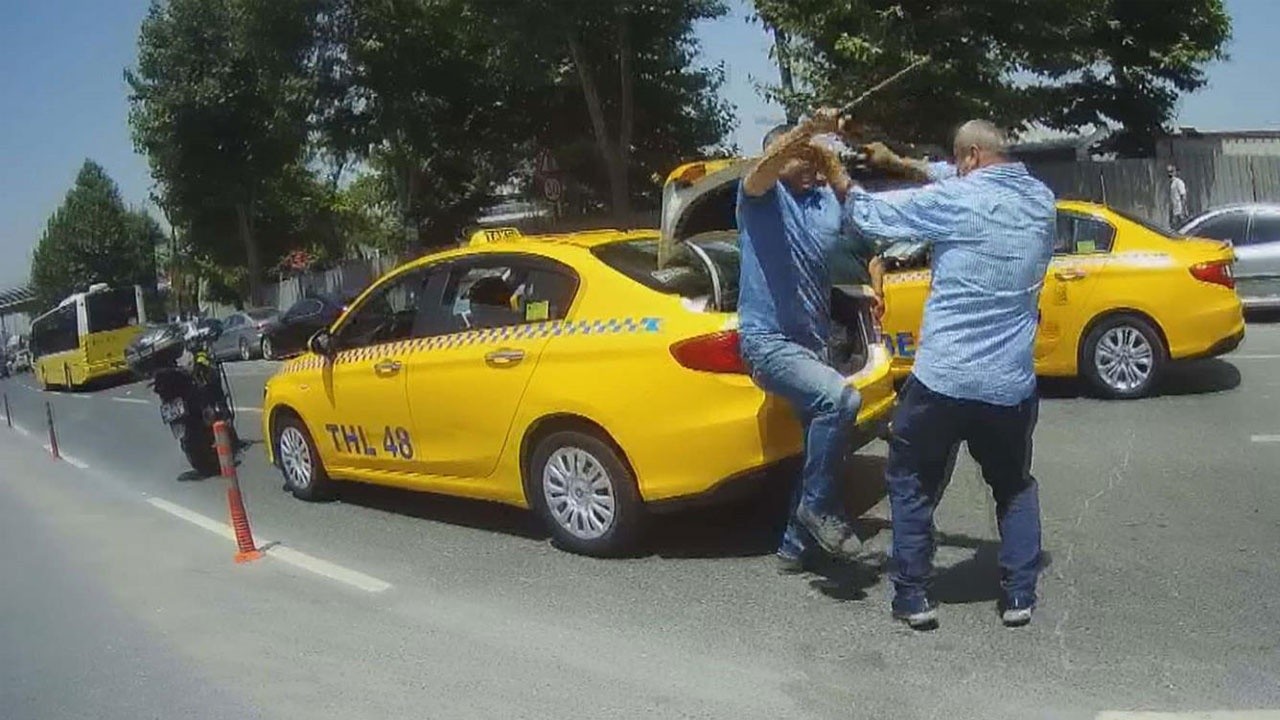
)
(537, 311)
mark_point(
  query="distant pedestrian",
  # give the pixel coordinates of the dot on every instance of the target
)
(1178, 214)
(992, 229)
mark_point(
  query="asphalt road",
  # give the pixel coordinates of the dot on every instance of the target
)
(1162, 523)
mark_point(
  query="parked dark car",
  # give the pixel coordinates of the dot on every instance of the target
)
(288, 335)
(242, 334)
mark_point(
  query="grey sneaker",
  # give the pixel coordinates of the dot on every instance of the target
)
(917, 612)
(1017, 613)
(832, 533)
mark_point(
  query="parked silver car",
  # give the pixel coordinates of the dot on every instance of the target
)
(241, 336)
(1254, 231)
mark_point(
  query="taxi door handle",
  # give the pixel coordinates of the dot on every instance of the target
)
(1069, 275)
(387, 367)
(504, 357)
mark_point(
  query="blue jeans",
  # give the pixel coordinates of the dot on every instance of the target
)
(827, 407)
(927, 430)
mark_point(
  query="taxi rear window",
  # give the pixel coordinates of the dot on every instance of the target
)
(685, 275)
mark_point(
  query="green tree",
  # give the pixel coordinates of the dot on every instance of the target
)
(220, 101)
(615, 89)
(1065, 63)
(422, 93)
(92, 238)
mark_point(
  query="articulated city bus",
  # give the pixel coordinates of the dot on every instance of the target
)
(83, 339)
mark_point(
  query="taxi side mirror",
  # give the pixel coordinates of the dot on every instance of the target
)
(321, 344)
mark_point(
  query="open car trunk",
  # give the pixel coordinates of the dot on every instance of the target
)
(699, 230)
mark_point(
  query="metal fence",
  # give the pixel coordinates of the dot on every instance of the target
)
(1142, 186)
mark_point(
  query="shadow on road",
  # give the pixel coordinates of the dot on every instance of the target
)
(754, 525)
(1192, 377)
(492, 517)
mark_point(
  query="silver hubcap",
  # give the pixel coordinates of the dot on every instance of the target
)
(266, 349)
(295, 458)
(244, 350)
(1124, 358)
(579, 493)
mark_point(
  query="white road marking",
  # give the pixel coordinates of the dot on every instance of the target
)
(249, 410)
(1264, 438)
(1202, 715)
(1251, 357)
(136, 401)
(22, 431)
(296, 558)
(68, 459)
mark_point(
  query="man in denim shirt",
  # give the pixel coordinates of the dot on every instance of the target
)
(790, 209)
(992, 229)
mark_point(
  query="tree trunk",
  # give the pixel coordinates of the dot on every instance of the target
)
(782, 49)
(614, 163)
(244, 220)
(619, 179)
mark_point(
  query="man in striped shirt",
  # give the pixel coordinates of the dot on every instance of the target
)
(991, 225)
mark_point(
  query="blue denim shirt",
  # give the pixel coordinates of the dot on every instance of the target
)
(786, 241)
(992, 233)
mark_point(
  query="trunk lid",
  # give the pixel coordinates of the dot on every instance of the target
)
(699, 220)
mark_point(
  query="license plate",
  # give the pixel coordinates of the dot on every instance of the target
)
(173, 411)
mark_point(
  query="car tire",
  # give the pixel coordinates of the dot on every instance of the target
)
(1123, 357)
(246, 352)
(202, 454)
(268, 352)
(584, 493)
(299, 462)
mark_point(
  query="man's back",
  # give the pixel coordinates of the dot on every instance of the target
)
(992, 233)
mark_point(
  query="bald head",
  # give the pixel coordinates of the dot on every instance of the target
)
(979, 143)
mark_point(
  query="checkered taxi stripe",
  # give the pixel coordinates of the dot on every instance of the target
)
(489, 336)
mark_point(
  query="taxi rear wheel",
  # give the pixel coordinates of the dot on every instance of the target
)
(1123, 357)
(296, 456)
(584, 493)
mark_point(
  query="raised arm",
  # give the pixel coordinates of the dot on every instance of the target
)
(924, 214)
(764, 176)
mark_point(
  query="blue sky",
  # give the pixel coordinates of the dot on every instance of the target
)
(61, 78)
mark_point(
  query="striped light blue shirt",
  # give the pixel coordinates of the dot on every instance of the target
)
(992, 234)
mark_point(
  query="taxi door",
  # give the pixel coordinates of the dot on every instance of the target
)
(487, 328)
(1079, 259)
(368, 425)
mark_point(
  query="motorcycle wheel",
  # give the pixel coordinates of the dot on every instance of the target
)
(201, 453)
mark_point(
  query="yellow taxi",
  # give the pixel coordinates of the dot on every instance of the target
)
(1121, 298)
(571, 374)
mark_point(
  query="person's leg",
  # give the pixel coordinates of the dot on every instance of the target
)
(827, 406)
(922, 447)
(1000, 440)
(796, 540)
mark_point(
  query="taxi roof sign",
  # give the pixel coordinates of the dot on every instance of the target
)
(484, 236)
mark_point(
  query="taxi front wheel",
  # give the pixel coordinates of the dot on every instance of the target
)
(584, 493)
(304, 474)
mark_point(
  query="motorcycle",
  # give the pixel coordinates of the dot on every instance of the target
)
(192, 396)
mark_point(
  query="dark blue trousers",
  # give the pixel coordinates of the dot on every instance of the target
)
(927, 430)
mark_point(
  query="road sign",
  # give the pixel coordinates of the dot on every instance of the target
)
(552, 189)
(545, 163)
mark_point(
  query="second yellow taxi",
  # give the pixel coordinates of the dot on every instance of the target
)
(572, 374)
(1120, 300)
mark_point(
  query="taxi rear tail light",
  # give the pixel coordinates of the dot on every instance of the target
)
(1218, 273)
(717, 353)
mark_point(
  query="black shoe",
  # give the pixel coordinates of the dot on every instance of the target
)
(832, 533)
(917, 612)
(1017, 612)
